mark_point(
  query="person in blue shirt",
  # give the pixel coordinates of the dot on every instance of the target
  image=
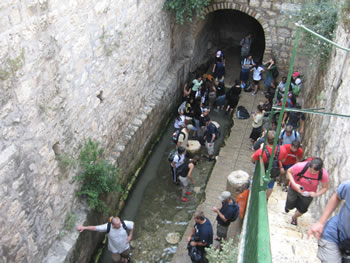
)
(202, 233)
(332, 233)
(210, 137)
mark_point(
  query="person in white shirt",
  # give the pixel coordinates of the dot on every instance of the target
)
(118, 237)
(257, 70)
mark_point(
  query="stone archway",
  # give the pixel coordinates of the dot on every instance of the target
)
(260, 16)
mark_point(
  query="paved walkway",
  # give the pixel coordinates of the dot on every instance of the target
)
(288, 242)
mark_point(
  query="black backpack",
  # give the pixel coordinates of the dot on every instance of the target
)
(242, 113)
(275, 168)
(176, 134)
(301, 174)
(109, 224)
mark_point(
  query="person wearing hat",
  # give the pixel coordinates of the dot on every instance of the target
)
(225, 215)
(219, 66)
(296, 83)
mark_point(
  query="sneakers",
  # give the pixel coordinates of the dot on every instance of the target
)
(294, 221)
(188, 193)
(184, 199)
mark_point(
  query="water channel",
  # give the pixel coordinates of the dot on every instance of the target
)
(154, 203)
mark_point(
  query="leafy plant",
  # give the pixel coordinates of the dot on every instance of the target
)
(345, 14)
(321, 17)
(98, 176)
(227, 254)
(184, 9)
(70, 220)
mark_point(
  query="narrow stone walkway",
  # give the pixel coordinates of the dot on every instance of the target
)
(235, 155)
(288, 243)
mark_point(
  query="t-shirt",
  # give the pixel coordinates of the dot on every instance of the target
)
(289, 139)
(269, 71)
(204, 232)
(117, 237)
(257, 120)
(179, 122)
(294, 118)
(341, 220)
(308, 184)
(228, 210)
(292, 156)
(282, 155)
(257, 73)
(196, 84)
(178, 159)
(210, 131)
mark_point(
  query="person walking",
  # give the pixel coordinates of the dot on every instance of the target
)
(334, 235)
(185, 174)
(118, 237)
(210, 137)
(304, 178)
(177, 161)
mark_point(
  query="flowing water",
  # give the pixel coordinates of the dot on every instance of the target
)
(154, 203)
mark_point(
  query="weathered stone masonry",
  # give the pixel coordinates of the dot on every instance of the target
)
(70, 70)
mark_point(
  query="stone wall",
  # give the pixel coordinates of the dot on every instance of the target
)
(109, 70)
(327, 136)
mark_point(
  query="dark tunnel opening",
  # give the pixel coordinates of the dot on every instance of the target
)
(224, 29)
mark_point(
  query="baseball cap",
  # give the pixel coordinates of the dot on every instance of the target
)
(296, 74)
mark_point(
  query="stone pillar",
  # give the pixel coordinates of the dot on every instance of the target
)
(237, 182)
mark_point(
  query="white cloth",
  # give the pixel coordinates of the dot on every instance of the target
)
(178, 159)
(117, 238)
(179, 122)
(257, 73)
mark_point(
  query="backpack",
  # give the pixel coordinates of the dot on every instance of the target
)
(217, 132)
(275, 168)
(301, 174)
(176, 134)
(296, 90)
(171, 155)
(121, 221)
(248, 87)
(242, 113)
(275, 73)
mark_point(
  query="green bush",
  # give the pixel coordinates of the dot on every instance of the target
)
(185, 9)
(227, 254)
(98, 176)
(321, 17)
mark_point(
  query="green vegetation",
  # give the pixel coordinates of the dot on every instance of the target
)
(65, 161)
(69, 221)
(227, 254)
(321, 17)
(98, 176)
(185, 9)
(345, 14)
(11, 66)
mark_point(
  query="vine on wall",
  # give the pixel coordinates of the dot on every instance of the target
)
(186, 9)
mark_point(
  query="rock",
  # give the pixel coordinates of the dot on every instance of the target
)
(193, 147)
(173, 238)
(237, 182)
(196, 189)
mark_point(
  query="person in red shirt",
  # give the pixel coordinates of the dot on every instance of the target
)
(281, 157)
(303, 187)
(294, 155)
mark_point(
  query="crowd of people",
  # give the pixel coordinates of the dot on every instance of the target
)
(298, 176)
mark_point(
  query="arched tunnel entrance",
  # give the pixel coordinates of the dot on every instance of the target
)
(224, 29)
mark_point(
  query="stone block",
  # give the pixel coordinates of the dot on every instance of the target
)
(254, 3)
(237, 182)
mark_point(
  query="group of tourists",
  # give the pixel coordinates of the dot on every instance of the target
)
(298, 176)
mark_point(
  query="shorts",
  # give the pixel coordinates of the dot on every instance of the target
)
(210, 149)
(271, 184)
(118, 257)
(256, 82)
(328, 252)
(295, 200)
(221, 231)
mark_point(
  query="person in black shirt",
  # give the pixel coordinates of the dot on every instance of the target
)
(226, 214)
(202, 233)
